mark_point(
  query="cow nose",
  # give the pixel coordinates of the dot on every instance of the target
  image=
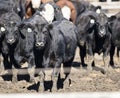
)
(40, 44)
(11, 40)
(82, 43)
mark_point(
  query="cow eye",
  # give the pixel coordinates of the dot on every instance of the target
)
(29, 30)
(92, 21)
(2, 29)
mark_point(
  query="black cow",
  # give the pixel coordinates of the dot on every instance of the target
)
(24, 51)
(17, 5)
(5, 6)
(115, 27)
(20, 43)
(86, 25)
(57, 44)
(8, 24)
(82, 6)
(103, 38)
(94, 37)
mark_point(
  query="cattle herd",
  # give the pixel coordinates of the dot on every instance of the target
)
(43, 45)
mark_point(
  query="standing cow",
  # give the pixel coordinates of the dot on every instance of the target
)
(95, 37)
(17, 5)
(24, 51)
(9, 26)
(103, 38)
(86, 25)
(115, 27)
(59, 42)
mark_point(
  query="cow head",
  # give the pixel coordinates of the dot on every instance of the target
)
(40, 36)
(26, 29)
(86, 24)
(12, 32)
(102, 25)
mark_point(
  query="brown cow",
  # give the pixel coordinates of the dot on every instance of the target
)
(69, 4)
(31, 5)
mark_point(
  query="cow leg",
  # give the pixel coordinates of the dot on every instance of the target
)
(67, 69)
(112, 51)
(31, 71)
(31, 68)
(89, 61)
(82, 55)
(1, 65)
(89, 55)
(15, 68)
(55, 74)
(41, 78)
(14, 77)
(106, 62)
(7, 64)
(118, 56)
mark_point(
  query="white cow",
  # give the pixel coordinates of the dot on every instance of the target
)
(66, 12)
(48, 13)
(36, 3)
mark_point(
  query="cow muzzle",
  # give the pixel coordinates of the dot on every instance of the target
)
(40, 44)
(11, 40)
(102, 33)
(82, 43)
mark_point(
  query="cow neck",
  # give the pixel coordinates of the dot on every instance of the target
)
(2, 37)
(1, 40)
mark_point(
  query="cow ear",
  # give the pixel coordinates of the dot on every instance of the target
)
(49, 29)
(98, 9)
(112, 18)
(21, 25)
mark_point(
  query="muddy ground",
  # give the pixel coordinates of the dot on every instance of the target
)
(81, 80)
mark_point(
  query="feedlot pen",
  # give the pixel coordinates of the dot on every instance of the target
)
(81, 80)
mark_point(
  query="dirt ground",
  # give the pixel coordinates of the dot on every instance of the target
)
(81, 80)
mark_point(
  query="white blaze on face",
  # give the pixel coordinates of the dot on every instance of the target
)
(36, 3)
(66, 12)
(48, 13)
